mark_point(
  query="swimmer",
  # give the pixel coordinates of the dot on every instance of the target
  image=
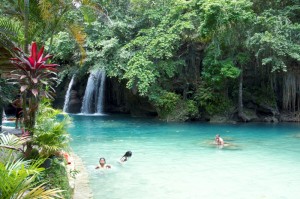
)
(125, 157)
(102, 164)
(219, 141)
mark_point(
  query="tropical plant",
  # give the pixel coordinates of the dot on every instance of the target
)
(18, 180)
(50, 133)
(12, 142)
(10, 33)
(36, 78)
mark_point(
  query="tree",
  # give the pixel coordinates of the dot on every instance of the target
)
(36, 79)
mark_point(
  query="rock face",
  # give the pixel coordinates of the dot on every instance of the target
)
(74, 103)
(119, 99)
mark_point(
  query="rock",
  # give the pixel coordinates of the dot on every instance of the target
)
(270, 119)
(251, 114)
(290, 117)
(75, 103)
(264, 109)
(218, 119)
(139, 106)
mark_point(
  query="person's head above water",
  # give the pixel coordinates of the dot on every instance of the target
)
(102, 161)
(128, 154)
(102, 164)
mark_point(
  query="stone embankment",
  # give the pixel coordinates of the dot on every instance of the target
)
(80, 184)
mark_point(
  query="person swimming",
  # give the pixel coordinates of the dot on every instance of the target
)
(219, 141)
(102, 164)
(125, 157)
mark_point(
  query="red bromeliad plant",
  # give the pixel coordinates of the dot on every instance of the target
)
(36, 78)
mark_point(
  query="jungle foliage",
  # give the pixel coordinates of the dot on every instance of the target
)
(200, 53)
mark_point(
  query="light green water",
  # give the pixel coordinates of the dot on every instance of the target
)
(177, 161)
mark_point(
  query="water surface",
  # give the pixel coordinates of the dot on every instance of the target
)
(178, 161)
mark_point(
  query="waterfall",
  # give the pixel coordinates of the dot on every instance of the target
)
(4, 118)
(100, 93)
(94, 93)
(67, 97)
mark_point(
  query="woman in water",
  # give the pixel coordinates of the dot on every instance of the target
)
(125, 157)
(102, 164)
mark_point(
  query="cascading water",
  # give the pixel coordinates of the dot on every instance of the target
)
(4, 116)
(100, 93)
(67, 97)
(94, 93)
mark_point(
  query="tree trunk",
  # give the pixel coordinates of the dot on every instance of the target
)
(26, 24)
(1, 117)
(241, 113)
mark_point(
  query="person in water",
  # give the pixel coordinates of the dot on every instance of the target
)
(219, 140)
(102, 164)
(125, 157)
(17, 104)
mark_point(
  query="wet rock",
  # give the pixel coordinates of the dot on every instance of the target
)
(251, 114)
(74, 103)
(267, 110)
(218, 119)
(270, 120)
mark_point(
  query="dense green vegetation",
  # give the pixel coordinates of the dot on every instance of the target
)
(198, 57)
(191, 59)
(40, 171)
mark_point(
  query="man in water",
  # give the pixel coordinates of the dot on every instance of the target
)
(219, 141)
(17, 104)
(102, 164)
(125, 157)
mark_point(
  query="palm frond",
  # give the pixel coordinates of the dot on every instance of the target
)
(41, 192)
(10, 140)
(46, 7)
(10, 33)
(79, 35)
(18, 180)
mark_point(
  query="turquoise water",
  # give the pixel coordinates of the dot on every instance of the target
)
(178, 161)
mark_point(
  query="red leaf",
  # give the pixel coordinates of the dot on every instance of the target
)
(40, 55)
(14, 59)
(33, 50)
(35, 80)
(50, 65)
(31, 61)
(23, 88)
(52, 69)
(18, 49)
(22, 76)
(28, 64)
(35, 92)
(47, 57)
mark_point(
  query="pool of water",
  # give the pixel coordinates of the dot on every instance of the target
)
(178, 161)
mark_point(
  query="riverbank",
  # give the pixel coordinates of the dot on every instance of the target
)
(11, 130)
(77, 174)
(78, 178)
